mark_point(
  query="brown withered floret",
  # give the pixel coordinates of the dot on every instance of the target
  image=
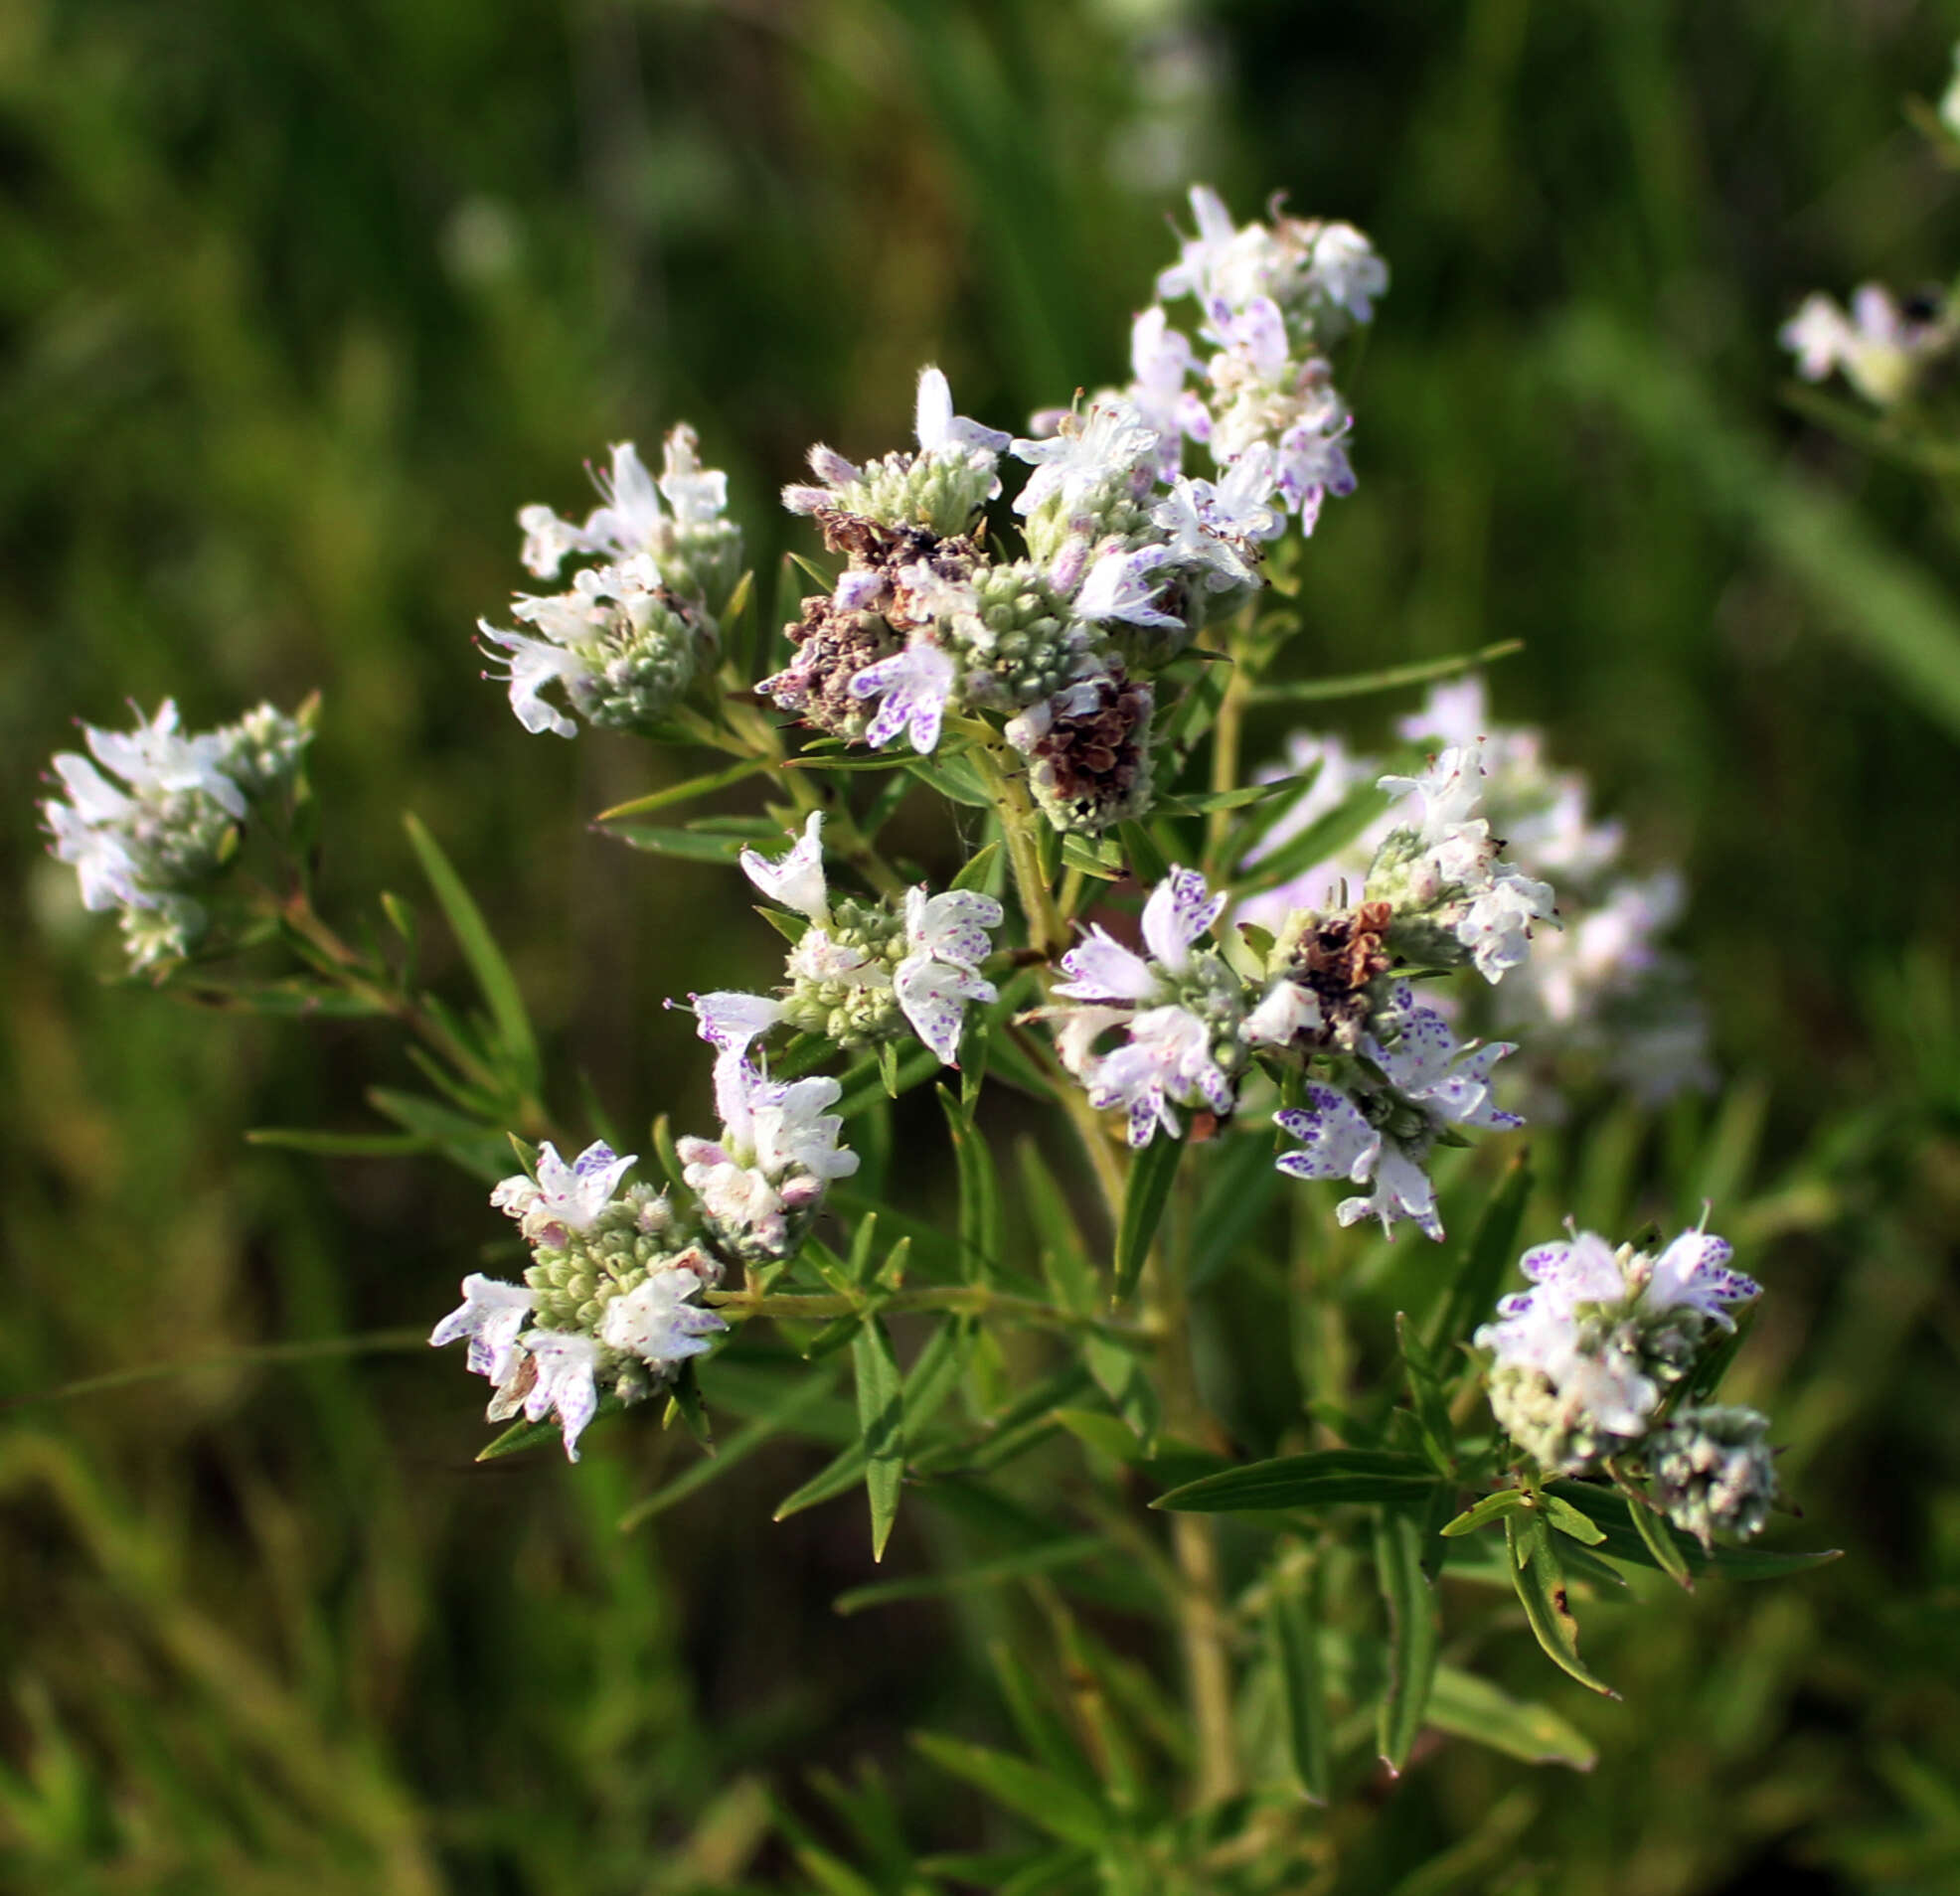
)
(1093, 769)
(833, 646)
(1337, 959)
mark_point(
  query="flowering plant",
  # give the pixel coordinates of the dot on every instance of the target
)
(1363, 971)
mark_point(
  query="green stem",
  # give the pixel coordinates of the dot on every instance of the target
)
(1048, 933)
(972, 1299)
(842, 837)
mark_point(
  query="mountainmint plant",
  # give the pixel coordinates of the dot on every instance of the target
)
(1209, 1000)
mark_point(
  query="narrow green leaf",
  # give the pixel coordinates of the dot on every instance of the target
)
(689, 846)
(1624, 1542)
(790, 1408)
(1041, 1731)
(1655, 1535)
(881, 1425)
(1491, 1507)
(979, 1193)
(1320, 691)
(1293, 1648)
(864, 1084)
(684, 1401)
(683, 792)
(333, 1145)
(1425, 1390)
(1478, 1276)
(1245, 797)
(1566, 1519)
(1240, 1186)
(523, 1434)
(1319, 1480)
(485, 958)
(1064, 1255)
(978, 869)
(987, 1573)
(1049, 1803)
(1414, 1632)
(954, 777)
(1467, 1706)
(1327, 836)
(1540, 1579)
(1145, 1194)
(1124, 1377)
(1146, 859)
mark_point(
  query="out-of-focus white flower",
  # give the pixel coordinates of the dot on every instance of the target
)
(1882, 348)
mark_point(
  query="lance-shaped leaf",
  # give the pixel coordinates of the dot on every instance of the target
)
(881, 1425)
(1624, 1542)
(1491, 1507)
(1145, 1194)
(934, 1374)
(979, 1193)
(683, 792)
(1319, 1480)
(1479, 1273)
(1414, 1632)
(486, 960)
(1467, 1706)
(1293, 1650)
(1327, 836)
(1540, 1578)
(986, 1573)
(1049, 1803)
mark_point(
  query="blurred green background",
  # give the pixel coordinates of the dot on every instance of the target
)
(299, 302)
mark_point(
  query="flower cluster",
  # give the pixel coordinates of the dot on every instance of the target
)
(1274, 297)
(1181, 1010)
(760, 1183)
(1586, 1365)
(1882, 346)
(629, 638)
(1599, 988)
(607, 1304)
(861, 972)
(1407, 1088)
(149, 836)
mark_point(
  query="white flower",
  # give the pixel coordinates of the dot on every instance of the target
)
(626, 524)
(1169, 1058)
(1431, 1078)
(1109, 444)
(728, 1020)
(530, 664)
(1171, 1055)
(1161, 361)
(1347, 271)
(565, 1366)
(1124, 586)
(697, 495)
(563, 1198)
(157, 758)
(490, 1316)
(1881, 348)
(1179, 910)
(1202, 258)
(796, 880)
(947, 937)
(777, 1151)
(655, 1322)
(915, 685)
(1287, 1010)
(86, 836)
(938, 428)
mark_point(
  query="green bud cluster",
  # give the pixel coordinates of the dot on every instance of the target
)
(179, 838)
(841, 975)
(1021, 646)
(263, 749)
(700, 560)
(1111, 510)
(575, 1281)
(1713, 1473)
(1556, 1427)
(940, 492)
(643, 660)
(1211, 991)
